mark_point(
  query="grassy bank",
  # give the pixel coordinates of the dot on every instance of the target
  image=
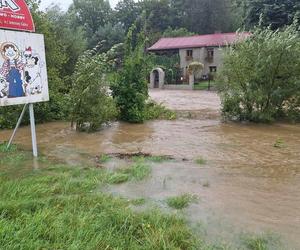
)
(61, 207)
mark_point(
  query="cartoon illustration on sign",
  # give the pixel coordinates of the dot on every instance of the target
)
(21, 70)
(23, 73)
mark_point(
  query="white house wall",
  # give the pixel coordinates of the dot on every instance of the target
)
(199, 55)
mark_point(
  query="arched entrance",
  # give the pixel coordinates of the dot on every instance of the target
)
(157, 78)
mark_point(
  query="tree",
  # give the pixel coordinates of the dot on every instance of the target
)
(91, 103)
(109, 35)
(130, 89)
(275, 14)
(169, 32)
(126, 12)
(260, 79)
(92, 14)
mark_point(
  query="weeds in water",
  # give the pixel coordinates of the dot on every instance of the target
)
(156, 111)
(206, 184)
(261, 242)
(201, 161)
(181, 202)
(138, 202)
(104, 158)
(61, 208)
(4, 149)
(136, 172)
(155, 159)
(279, 143)
(118, 178)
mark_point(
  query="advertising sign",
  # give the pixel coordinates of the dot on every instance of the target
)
(15, 15)
(23, 72)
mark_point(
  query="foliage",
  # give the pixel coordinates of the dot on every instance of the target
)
(127, 11)
(137, 172)
(169, 32)
(169, 63)
(201, 161)
(195, 68)
(91, 15)
(158, 111)
(109, 35)
(260, 80)
(180, 202)
(130, 89)
(92, 104)
(269, 13)
(61, 207)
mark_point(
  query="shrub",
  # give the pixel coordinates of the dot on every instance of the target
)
(181, 202)
(260, 80)
(130, 89)
(92, 104)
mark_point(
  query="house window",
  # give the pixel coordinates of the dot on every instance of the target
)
(212, 69)
(189, 54)
(210, 54)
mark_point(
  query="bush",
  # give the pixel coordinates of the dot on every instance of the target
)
(92, 104)
(130, 89)
(260, 79)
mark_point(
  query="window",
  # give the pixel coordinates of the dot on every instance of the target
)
(189, 53)
(212, 69)
(210, 54)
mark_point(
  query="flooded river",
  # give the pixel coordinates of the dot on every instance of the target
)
(251, 181)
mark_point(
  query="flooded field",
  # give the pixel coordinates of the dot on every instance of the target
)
(250, 181)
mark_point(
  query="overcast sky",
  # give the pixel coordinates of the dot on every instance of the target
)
(65, 3)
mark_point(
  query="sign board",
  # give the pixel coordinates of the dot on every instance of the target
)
(15, 15)
(23, 72)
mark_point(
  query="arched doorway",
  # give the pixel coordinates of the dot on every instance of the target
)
(157, 78)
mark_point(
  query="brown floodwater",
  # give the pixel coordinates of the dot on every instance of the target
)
(246, 185)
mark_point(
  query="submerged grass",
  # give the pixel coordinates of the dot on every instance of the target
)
(59, 207)
(136, 172)
(200, 161)
(181, 202)
(264, 241)
(156, 111)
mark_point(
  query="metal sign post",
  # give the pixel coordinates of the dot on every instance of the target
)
(32, 126)
(33, 133)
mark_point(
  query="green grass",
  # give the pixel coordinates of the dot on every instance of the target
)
(61, 207)
(200, 161)
(139, 202)
(279, 143)
(155, 159)
(204, 85)
(181, 202)
(104, 158)
(261, 242)
(156, 111)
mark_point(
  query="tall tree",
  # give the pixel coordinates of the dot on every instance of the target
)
(92, 14)
(273, 13)
(126, 13)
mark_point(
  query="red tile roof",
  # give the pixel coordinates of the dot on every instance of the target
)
(198, 41)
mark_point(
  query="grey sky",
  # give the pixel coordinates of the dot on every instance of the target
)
(65, 3)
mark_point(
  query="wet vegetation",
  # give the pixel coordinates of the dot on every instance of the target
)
(181, 202)
(201, 161)
(261, 242)
(58, 207)
(136, 172)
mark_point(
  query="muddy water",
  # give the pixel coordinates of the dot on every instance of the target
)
(252, 185)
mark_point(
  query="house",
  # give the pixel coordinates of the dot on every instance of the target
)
(206, 49)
